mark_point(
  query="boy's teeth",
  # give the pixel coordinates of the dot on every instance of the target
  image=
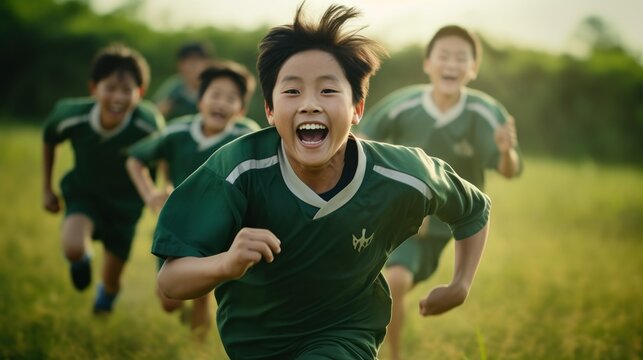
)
(311, 127)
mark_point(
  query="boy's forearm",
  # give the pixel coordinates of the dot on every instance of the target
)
(163, 169)
(468, 252)
(140, 176)
(49, 152)
(467, 256)
(191, 277)
(509, 163)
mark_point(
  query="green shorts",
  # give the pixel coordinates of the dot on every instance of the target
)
(114, 219)
(421, 255)
(341, 344)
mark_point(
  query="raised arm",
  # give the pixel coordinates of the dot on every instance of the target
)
(191, 277)
(506, 140)
(51, 202)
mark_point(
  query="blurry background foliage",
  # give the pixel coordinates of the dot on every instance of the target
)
(588, 107)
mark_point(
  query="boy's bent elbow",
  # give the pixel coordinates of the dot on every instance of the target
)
(166, 285)
(161, 283)
(179, 279)
(170, 291)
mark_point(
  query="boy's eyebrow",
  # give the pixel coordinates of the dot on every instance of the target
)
(297, 78)
(458, 51)
(328, 77)
(290, 78)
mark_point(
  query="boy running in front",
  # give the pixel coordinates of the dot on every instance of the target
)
(293, 224)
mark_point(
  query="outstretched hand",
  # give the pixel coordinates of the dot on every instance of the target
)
(51, 202)
(248, 248)
(442, 299)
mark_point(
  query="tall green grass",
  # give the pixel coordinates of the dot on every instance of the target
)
(561, 278)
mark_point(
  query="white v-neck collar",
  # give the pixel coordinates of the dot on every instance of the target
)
(443, 118)
(94, 121)
(205, 142)
(307, 195)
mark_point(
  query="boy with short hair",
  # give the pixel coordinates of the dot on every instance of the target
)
(292, 224)
(464, 127)
(224, 92)
(177, 95)
(100, 200)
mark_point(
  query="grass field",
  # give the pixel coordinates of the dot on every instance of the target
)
(561, 278)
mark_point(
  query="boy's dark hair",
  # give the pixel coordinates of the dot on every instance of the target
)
(198, 49)
(235, 72)
(459, 31)
(118, 58)
(357, 55)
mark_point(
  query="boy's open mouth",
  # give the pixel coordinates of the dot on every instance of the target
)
(449, 77)
(217, 115)
(116, 108)
(311, 134)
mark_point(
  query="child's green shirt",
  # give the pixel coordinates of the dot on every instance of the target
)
(184, 146)
(463, 136)
(99, 154)
(328, 275)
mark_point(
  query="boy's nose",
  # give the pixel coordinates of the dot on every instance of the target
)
(310, 105)
(310, 110)
(122, 96)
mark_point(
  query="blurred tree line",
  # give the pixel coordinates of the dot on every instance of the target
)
(588, 106)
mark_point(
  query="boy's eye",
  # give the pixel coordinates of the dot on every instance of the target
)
(291, 91)
(329, 91)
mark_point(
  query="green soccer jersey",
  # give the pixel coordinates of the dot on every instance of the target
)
(463, 136)
(184, 146)
(100, 154)
(184, 101)
(327, 277)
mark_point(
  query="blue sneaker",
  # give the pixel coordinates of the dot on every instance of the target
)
(81, 273)
(104, 301)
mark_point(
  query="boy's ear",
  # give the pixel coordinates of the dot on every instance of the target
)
(141, 91)
(92, 87)
(269, 113)
(473, 75)
(358, 112)
(425, 65)
(473, 71)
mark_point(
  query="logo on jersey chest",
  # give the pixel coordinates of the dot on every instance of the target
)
(362, 242)
(463, 148)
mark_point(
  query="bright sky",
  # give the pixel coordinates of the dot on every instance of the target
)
(540, 24)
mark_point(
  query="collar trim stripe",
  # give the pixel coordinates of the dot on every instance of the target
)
(307, 195)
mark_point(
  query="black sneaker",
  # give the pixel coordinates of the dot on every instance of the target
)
(81, 273)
